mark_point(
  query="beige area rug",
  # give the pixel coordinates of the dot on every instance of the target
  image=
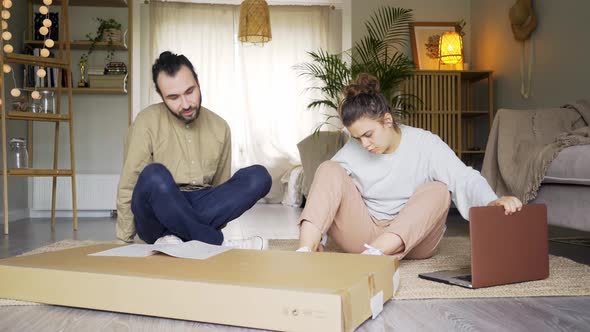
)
(567, 278)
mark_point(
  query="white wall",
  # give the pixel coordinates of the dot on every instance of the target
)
(560, 74)
(424, 11)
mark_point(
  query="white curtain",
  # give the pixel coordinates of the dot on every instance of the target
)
(254, 88)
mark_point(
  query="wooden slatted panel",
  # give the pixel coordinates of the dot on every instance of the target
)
(438, 111)
(456, 107)
(446, 133)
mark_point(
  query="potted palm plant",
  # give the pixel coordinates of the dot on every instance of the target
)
(379, 53)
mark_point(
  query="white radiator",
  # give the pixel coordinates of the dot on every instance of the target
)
(94, 192)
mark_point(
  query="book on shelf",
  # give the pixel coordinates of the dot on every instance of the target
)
(95, 71)
(107, 81)
(115, 68)
(116, 72)
(32, 80)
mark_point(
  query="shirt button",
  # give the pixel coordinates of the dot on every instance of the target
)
(187, 126)
(194, 182)
(192, 162)
(189, 141)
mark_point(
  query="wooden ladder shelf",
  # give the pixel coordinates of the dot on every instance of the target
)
(62, 62)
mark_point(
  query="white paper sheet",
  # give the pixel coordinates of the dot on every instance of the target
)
(191, 249)
(132, 250)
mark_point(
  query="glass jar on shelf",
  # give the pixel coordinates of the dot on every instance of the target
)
(47, 101)
(34, 106)
(20, 104)
(19, 156)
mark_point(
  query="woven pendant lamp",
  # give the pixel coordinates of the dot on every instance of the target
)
(450, 48)
(254, 22)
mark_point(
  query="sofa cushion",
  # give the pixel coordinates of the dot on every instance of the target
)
(317, 148)
(572, 166)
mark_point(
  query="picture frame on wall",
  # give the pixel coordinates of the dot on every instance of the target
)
(424, 37)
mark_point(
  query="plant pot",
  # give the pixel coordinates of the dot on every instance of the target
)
(112, 34)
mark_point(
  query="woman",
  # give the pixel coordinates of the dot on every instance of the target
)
(387, 190)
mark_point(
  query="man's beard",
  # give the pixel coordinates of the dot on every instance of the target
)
(182, 118)
(185, 120)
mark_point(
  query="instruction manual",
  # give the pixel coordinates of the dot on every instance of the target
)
(191, 249)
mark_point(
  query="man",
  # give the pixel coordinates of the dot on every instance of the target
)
(175, 185)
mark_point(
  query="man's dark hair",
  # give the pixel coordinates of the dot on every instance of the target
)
(170, 63)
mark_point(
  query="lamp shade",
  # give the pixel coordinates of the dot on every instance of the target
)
(254, 22)
(450, 48)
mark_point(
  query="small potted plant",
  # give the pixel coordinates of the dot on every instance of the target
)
(109, 31)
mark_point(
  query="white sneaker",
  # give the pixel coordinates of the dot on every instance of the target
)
(303, 249)
(252, 243)
(372, 251)
(169, 239)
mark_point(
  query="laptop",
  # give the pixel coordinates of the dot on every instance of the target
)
(504, 249)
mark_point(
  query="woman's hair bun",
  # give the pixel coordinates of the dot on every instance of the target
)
(364, 83)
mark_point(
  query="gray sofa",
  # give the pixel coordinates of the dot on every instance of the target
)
(566, 188)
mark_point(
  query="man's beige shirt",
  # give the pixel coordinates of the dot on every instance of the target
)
(197, 154)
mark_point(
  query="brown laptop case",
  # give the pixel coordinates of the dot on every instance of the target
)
(508, 248)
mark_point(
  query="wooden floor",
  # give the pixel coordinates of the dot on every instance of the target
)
(508, 314)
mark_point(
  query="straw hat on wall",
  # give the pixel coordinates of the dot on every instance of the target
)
(522, 19)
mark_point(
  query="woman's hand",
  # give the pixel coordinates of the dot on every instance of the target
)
(511, 204)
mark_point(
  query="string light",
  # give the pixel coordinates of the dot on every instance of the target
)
(6, 35)
(43, 30)
(41, 72)
(15, 92)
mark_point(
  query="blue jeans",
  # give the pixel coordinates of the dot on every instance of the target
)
(161, 208)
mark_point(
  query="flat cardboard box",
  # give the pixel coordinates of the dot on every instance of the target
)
(277, 290)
